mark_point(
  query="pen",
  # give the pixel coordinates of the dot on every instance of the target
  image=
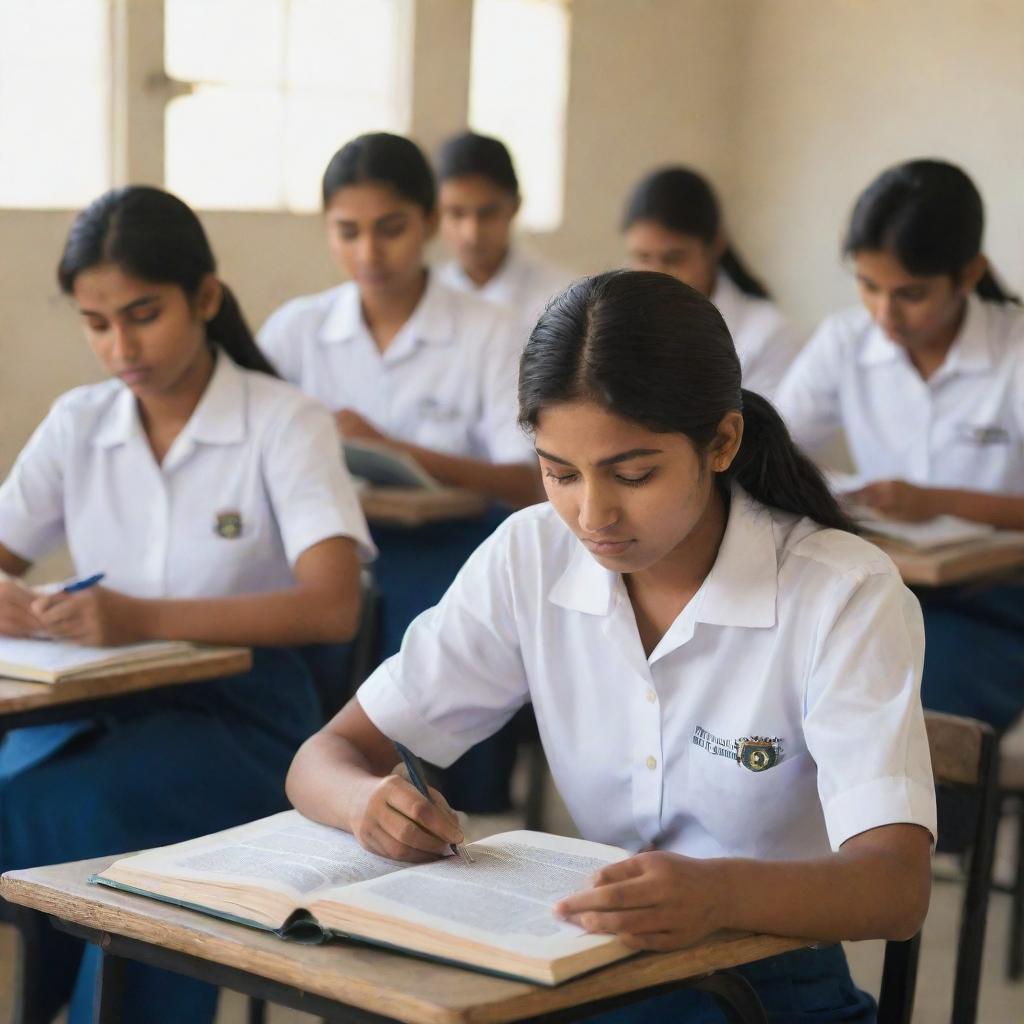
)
(416, 777)
(83, 584)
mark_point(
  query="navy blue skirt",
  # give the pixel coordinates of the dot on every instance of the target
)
(807, 986)
(974, 651)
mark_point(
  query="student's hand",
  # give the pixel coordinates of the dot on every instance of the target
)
(897, 499)
(397, 821)
(352, 425)
(96, 617)
(654, 900)
(16, 615)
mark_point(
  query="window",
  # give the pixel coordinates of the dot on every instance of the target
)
(519, 83)
(54, 102)
(269, 102)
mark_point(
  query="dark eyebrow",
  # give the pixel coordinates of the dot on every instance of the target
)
(633, 453)
(143, 301)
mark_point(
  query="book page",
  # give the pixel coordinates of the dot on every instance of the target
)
(504, 899)
(44, 660)
(285, 852)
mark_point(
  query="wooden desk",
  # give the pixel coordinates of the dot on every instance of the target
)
(1000, 554)
(413, 506)
(24, 703)
(349, 981)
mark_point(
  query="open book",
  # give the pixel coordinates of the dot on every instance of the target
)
(303, 880)
(50, 661)
(382, 466)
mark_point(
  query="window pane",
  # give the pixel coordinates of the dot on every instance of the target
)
(261, 137)
(222, 145)
(236, 41)
(519, 78)
(54, 102)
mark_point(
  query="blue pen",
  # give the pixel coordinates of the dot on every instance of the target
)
(417, 777)
(83, 584)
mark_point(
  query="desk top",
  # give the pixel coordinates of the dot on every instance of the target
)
(17, 696)
(997, 555)
(403, 987)
(415, 506)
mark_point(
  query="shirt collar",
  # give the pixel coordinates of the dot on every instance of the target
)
(741, 589)
(432, 321)
(970, 351)
(726, 295)
(219, 418)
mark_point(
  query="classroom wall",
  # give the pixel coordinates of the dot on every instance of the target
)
(790, 105)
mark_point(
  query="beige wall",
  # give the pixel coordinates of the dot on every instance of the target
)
(790, 105)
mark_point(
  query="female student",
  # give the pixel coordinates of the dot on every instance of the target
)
(211, 496)
(673, 224)
(719, 669)
(410, 363)
(479, 200)
(927, 382)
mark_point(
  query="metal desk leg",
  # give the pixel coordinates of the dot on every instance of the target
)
(109, 988)
(735, 995)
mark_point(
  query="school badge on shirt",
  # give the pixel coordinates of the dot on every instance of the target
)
(759, 753)
(228, 525)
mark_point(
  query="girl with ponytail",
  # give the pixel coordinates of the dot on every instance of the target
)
(926, 381)
(673, 223)
(211, 496)
(725, 677)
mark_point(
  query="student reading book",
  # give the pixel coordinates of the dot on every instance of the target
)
(725, 677)
(307, 881)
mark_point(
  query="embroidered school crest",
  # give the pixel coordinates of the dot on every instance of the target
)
(228, 525)
(759, 753)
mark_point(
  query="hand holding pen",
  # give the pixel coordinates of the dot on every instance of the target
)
(84, 613)
(417, 776)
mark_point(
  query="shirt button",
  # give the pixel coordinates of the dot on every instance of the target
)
(652, 695)
(652, 763)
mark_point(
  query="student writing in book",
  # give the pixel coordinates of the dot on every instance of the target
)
(479, 200)
(210, 494)
(926, 379)
(673, 224)
(408, 362)
(718, 667)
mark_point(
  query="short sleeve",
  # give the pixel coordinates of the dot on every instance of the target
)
(808, 397)
(310, 490)
(774, 357)
(281, 345)
(864, 724)
(459, 675)
(500, 434)
(32, 496)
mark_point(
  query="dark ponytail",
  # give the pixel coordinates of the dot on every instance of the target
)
(652, 350)
(681, 200)
(154, 236)
(929, 215)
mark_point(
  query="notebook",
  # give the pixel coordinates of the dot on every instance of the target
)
(50, 661)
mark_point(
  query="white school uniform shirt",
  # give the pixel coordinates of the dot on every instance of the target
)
(446, 382)
(523, 284)
(252, 481)
(765, 340)
(962, 428)
(800, 636)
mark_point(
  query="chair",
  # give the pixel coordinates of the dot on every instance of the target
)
(1011, 802)
(964, 755)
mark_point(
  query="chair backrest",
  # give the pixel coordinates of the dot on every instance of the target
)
(964, 761)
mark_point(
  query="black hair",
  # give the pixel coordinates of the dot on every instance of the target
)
(929, 215)
(681, 200)
(654, 351)
(154, 236)
(470, 153)
(382, 159)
